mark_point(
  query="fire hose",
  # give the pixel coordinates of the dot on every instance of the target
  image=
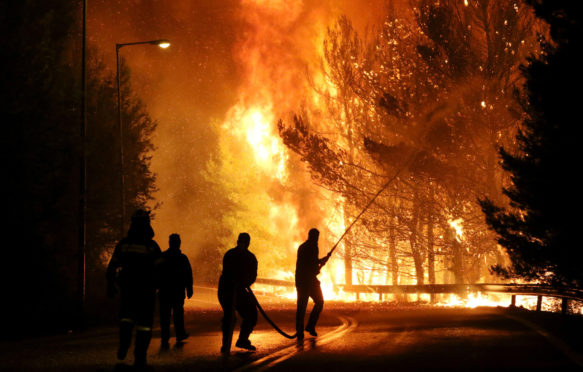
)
(327, 257)
(267, 318)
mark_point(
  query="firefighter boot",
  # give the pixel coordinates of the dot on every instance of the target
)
(245, 344)
(141, 349)
(125, 339)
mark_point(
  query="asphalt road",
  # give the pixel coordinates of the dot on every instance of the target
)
(351, 337)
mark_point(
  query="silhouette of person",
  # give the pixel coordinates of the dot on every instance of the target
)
(239, 272)
(175, 278)
(307, 284)
(132, 268)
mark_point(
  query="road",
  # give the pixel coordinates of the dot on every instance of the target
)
(352, 337)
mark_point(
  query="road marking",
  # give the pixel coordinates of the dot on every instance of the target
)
(268, 361)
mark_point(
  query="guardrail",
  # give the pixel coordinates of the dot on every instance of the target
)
(566, 294)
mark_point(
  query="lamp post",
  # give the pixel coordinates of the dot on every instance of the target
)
(162, 43)
(83, 173)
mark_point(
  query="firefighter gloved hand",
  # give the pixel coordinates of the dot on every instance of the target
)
(189, 292)
(111, 290)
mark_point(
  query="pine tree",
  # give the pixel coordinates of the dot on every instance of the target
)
(539, 229)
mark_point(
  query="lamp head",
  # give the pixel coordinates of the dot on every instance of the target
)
(162, 43)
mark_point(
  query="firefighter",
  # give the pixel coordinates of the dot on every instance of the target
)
(308, 266)
(132, 270)
(175, 278)
(239, 272)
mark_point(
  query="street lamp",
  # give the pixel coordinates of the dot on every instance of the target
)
(83, 174)
(162, 43)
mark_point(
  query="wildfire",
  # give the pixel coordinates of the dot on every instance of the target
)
(271, 56)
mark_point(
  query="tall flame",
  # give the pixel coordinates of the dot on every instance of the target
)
(458, 228)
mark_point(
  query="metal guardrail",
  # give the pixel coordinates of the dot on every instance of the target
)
(521, 289)
(275, 282)
(538, 290)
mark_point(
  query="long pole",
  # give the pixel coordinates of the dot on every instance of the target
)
(121, 153)
(430, 118)
(405, 165)
(83, 173)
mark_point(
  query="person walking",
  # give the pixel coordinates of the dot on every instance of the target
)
(132, 270)
(308, 267)
(239, 272)
(175, 279)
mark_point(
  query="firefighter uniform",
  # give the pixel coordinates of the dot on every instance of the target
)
(239, 272)
(175, 278)
(132, 268)
(307, 284)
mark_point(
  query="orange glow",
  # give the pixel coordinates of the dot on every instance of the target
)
(255, 125)
(474, 300)
(234, 70)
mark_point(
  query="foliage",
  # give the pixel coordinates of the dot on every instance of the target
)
(539, 230)
(428, 98)
(244, 206)
(41, 100)
(103, 223)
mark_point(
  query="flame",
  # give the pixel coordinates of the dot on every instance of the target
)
(474, 300)
(457, 226)
(272, 85)
(471, 301)
(255, 125)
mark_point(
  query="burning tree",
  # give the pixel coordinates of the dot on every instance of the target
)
(428, 99)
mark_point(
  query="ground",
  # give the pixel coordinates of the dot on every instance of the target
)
(351, 337)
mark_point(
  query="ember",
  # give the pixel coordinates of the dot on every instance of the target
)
(352, 108)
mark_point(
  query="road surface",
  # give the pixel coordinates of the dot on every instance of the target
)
(351, 337)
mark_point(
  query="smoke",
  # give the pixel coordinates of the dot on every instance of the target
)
(229, 62)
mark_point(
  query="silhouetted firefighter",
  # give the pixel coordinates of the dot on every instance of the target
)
(307, 284)
(239, 272)
(175, 278)
(132, 268)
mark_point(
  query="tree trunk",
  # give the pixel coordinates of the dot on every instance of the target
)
(415, 249)
(348, 238)
(393, 264)
(430, 248)
(458, 270)
(347, 261)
